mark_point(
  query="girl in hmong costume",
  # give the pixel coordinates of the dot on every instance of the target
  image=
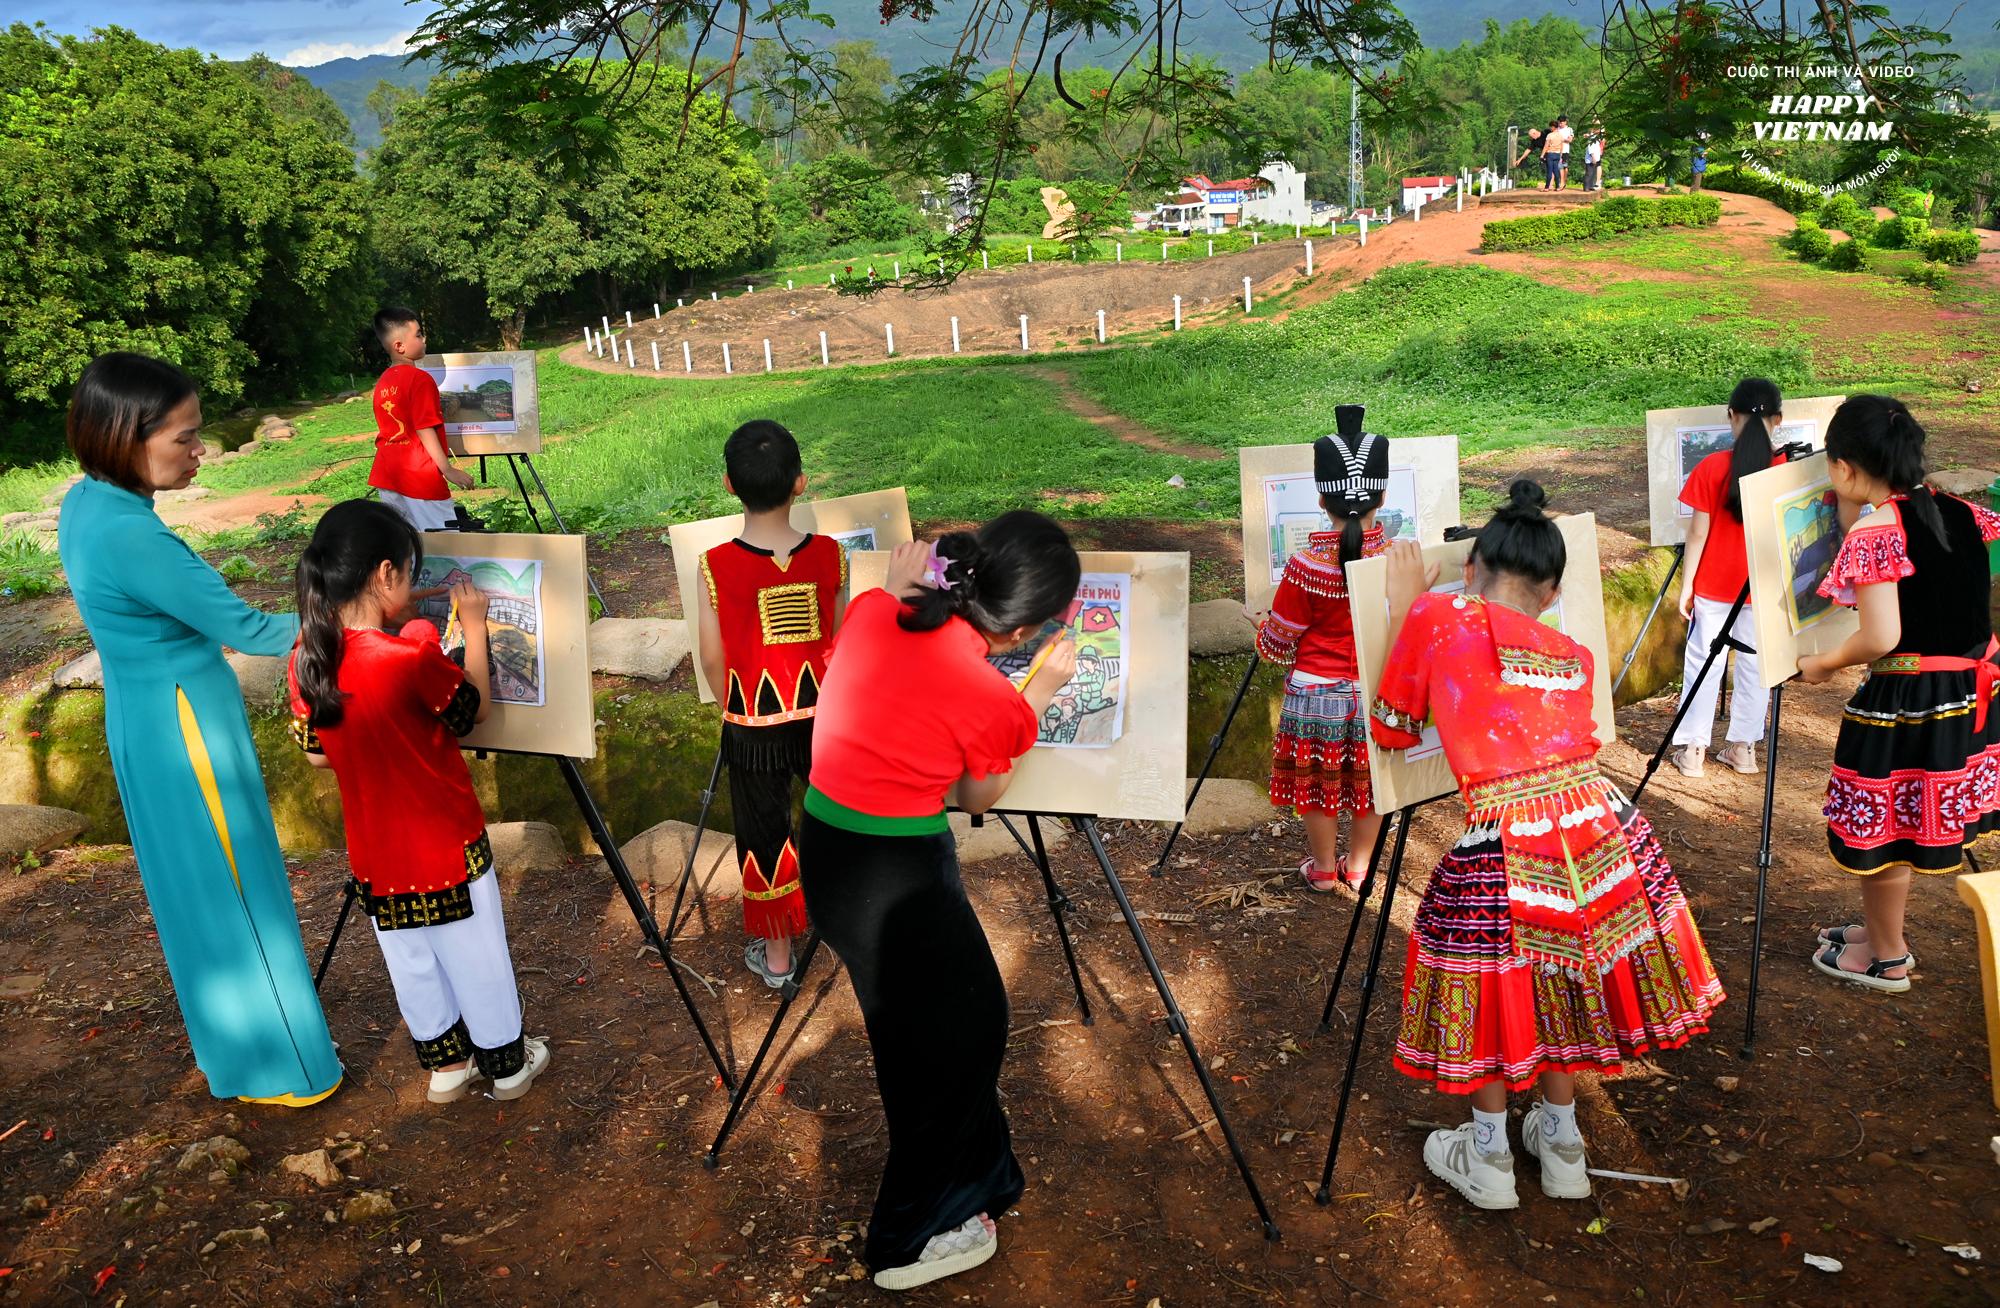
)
(1916, 767)
(1553, 937)
(1319, 759)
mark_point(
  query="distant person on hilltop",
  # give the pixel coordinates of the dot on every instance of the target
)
(1531, 144)
(1700, 167)
(1593, 160)
(1564, 135)
(1551, 156)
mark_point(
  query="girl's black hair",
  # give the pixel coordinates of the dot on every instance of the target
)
(354, 538)
(1758, 401)
(1347, 511)
(1520, 539)
(1018, 570)
(1878, 434)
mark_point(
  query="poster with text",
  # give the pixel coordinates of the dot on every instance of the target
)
(1089, 711)
(513, 589)
(1292, 513)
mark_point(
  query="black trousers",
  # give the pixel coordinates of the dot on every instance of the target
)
(894, 909)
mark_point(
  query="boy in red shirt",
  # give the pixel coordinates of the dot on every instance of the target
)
(768, 606)
(412, 463)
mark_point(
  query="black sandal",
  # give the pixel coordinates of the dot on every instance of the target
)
(1838, 936)
(1828, 961)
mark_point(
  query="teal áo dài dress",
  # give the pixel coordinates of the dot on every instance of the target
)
(193, 792)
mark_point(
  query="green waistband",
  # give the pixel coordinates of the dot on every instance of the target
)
(836, 814)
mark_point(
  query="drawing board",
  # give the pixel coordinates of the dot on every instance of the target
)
(872, 520)
(537, 620)
(1678, 439)
(490, 401)
(1140, 773)
(1281, 503)
(1404, 777)
(1791, 532)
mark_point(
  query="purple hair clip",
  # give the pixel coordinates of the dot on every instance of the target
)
(934, 570)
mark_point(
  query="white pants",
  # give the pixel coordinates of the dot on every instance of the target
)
(1748, 700)
(424, 515)
(458, 969)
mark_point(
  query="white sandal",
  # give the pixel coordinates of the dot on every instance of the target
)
(1828, 961)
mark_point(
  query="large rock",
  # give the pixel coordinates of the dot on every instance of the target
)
(638, 647)
(315, 1166)
(526, 848)
(1217, 627)
(985, 843)
(86, 672)
(1227, 805)
(183, 495)
(261, 677)
(1970, 483)
(34, 828)
(659, 855)
(55, 497)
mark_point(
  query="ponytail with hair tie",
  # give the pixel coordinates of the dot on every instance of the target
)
(1018, 570)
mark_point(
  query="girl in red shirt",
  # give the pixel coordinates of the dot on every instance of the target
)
(1553, 937)
(1319, 758)
(384, 712)
(1714, 573)
(911, 708)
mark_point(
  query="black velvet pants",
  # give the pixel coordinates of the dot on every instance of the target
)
(895, 911)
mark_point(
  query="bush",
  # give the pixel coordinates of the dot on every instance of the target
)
(1951, 246)
(1903, 233)
(1844, 213)
(1798, 197)
(1907, 202)
(1624, 213)
(1849, 256)
(1930, 274)
(1809, 241)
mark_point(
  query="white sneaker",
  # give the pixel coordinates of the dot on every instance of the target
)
(450, 1087)
(1738, 756)
(1564, 1174)
(1686, 759)
(1487, 1180)
(535, 1050)
(948, 1253)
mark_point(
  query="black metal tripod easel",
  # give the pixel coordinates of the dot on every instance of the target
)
(515, 462)
(1059, 906)
(1666, 584)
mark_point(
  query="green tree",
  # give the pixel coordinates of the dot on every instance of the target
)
(159, 201)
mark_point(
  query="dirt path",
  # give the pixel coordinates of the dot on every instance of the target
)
(1117, 424)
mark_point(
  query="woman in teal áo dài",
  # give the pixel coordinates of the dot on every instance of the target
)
(187, 771)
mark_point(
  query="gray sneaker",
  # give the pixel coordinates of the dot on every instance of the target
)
(755, 957)
(1686, 759)
(1565, 1173)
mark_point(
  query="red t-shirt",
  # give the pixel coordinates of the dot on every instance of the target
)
(405, 793)
(406, 402)
(904, 714)
(1725, 569)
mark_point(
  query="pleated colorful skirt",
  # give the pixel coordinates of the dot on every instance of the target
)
(1319, 758)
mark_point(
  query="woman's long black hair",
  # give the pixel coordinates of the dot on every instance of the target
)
(1758, 401)
(1878, 434)
(1018, 570)
(1520, 539)
(352, 540)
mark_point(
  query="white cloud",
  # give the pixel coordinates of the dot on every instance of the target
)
(320, 52)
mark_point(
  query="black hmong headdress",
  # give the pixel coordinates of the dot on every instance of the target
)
(1351, 463)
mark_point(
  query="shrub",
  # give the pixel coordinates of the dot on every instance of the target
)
(1624, 213)
(1902, 233)
(1930, 274)
(1809, 241)
(1951, 246)
(1844, 213)
(1907, 201)
(1849, 256)
(1798, 197)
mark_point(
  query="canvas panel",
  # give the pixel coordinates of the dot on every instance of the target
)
(1791, 533)
(491, 402)
(1676, 440)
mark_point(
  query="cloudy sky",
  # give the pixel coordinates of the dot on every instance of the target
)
(299, 32)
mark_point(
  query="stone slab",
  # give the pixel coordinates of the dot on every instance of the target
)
(649, 648)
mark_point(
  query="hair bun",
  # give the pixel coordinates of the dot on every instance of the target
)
(1525, 498)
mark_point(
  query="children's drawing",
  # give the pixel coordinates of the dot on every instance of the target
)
(1089, 711)
(513, 588)
(1293, 514)
(1696, 444)
(861, 538)
(477, 399)
(1809, 534)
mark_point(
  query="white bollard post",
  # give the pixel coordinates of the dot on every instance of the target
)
(1177, 313)
(889, 334)
(1246, 295)
(628, 320)
(1417, 214)
(1024, 331)
(1031, 251)
(982, 259)
(1460, 205)
(726, 365)
(1309, 258)
(1120, 247)
(897, 265)
(687, 356)
(656, 309)
(788, 283)
(679, 303)
(1364, 231)
(767, 354)
(713, 295)
(1297, 231)
(1255, 238)
(631, 355)
(829, 279)
(1163, 249)
(1100, 326)
(940, 267)
(606, 320)
(954, 336)
(586, 336)
(750, 288)
(822, 350)
(1211, 247)
(656, 356)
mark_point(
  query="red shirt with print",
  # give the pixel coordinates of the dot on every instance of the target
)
(1725, 567)
(904, 714)
(406, 402)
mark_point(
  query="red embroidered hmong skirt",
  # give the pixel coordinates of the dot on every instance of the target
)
(1913, 781)
(1319, 760)
(1475, 1013)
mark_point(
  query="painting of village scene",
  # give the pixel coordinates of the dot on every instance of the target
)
(513, 589)
(1809, 533)
(1089, 712)
(477, 399)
